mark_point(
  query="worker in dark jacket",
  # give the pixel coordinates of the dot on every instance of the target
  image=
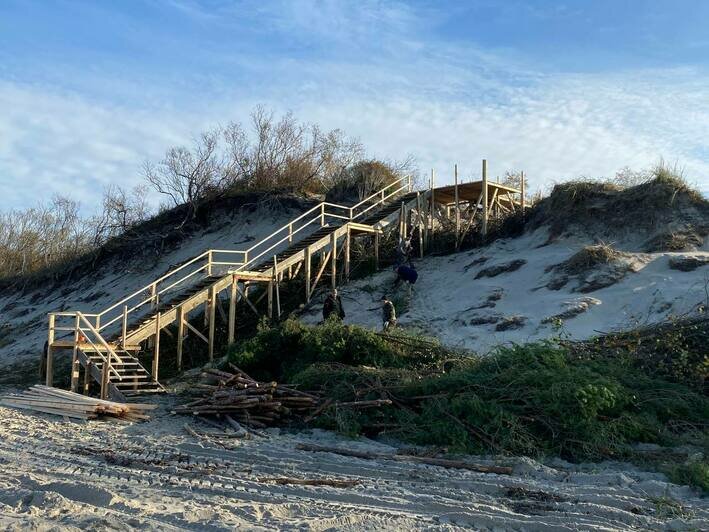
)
(388, 314)
(405, 273)
(333, 306)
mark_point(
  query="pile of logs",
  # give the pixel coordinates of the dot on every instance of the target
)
(237, 398)
(73, 405)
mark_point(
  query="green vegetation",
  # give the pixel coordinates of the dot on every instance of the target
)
(538, 399)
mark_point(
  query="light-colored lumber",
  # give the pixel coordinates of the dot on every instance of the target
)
(485, 202)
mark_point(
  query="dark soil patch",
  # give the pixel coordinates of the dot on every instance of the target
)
(494, 271)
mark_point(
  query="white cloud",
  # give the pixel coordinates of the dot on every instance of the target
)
(443, 104)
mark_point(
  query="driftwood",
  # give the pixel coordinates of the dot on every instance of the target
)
(442, 462)
(245, 402)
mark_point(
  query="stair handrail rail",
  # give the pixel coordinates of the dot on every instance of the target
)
(383, 196)
(325, 210)
(76, 328)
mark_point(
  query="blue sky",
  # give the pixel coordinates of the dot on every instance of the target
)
(89, 90)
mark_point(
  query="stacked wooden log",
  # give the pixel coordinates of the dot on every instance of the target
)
(238, 398)
(73, 405)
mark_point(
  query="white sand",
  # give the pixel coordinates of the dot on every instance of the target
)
(447, 289)
(61, 475)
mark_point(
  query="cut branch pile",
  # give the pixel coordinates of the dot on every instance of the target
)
(73, 405)
(238, 398)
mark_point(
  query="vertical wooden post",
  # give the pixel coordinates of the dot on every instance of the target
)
(333, 259)
(49, 376)
(75, 356)
(307, 274)
(87, 378)
(209, 262)
(457, 210)
(212, 319)
(104, 379)
(156, 353)
(276, 278)
(180, 335)
(270, 298)
(433, 206)
(419, 212)
(124, 326)
(376, 250)
(232, 311)
(521, 188)
(485, 205)
(322, 215)
(348, 242)
(153, 296)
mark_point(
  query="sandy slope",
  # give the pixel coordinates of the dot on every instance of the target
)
(26, 313)
(66, 475)
(449, 302)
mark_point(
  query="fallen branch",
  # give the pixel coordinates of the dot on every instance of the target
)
(442, 462)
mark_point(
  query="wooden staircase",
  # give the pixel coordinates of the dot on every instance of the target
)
(105, 344)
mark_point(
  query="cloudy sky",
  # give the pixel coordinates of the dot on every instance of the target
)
(89, 90)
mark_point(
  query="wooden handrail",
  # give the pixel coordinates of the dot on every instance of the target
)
(324, 210)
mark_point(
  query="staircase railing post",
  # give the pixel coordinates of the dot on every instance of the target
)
(75, 355)
(290, 233)
(104, 377)
(156, 355)
(153, 296)
(322, 215)
(49, 369)
(209, 262)
(124, 331)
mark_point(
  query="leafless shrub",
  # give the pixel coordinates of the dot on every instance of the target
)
(41, 236)
(122, 210)
(186, 176)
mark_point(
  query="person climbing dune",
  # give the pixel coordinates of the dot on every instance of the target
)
(333, 306)
(388, 314)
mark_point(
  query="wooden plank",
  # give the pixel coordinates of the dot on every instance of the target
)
(156, 348)
(180, 335)
(348, 238)
(232, 311)
(485, 203)
(333, 259)
(212, 320)
(307, 275)
(521, 190)
(194, 330)
(457, 209)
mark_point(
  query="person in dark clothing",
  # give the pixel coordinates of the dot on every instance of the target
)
(333, 306)
(388, 314)
(405, 273)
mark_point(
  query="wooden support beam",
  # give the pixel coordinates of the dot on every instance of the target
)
(124, 326)
(212, 320)
(49, 363)
(156, 352)
(376, 250)
(232, 310)
(246, 299)
(433, 207)
(521, 188)
(306, 260)
(75, 355)
(348, 243)
(180, 335)
(277, 286)
(104, 381)
(457, 209)
(197, 333)
(333, 259)
(323, 264)
(419, 214)
(270, 299)
(87, 378)
(485, 203)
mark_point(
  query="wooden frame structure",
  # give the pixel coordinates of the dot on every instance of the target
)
(105, 343)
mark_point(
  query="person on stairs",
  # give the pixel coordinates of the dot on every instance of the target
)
(333, 306)
(388, 314)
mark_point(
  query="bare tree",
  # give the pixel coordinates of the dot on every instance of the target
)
(122, 210)
(186, 176)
